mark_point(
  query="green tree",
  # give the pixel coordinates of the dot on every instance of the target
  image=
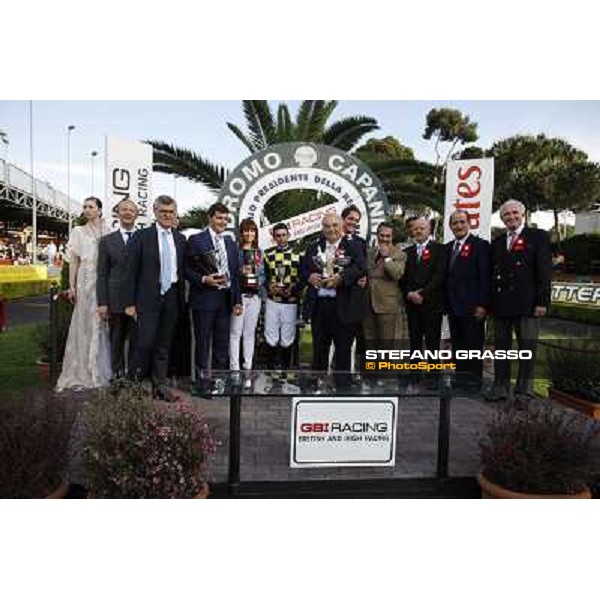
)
(451, 126)
(388, 147)
(195, 218)
(406, 181)
(545, 174)
(470, 152)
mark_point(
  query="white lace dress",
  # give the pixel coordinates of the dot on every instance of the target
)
(86, 363)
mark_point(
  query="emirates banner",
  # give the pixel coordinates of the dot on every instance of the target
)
(129, 177)
(470, 187)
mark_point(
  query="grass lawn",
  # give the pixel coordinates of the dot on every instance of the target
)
(18, 353)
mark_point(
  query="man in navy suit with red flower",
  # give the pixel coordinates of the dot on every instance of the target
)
(467, 291)
(521, 284)
(423, 287)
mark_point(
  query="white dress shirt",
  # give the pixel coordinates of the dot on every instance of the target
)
(124, 233)
(517, 232)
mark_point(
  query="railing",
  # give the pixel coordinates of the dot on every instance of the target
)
(23, 181)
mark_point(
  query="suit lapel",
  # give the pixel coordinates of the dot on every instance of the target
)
(117, 239)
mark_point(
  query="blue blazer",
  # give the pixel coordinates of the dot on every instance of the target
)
(468, 280)
(205, 297)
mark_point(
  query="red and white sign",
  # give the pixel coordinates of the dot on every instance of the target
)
(300, 225)
(343, 432)
(129, 177)
(470, 187)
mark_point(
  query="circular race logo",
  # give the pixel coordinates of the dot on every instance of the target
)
(338, 178)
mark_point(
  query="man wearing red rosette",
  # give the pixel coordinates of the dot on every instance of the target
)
(467, 291)
(333, 304)
(521, 283)
(423, 287)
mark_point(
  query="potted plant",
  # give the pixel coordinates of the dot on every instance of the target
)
(538, 452)
(43, 334)
(35, 434)
(134, 447)
(574, 376)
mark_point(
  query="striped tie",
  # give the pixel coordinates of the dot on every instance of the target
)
(223, 258)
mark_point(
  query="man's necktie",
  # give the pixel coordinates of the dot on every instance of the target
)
(419, 252)
(455, 253)
(512, 238)
(223, 257)
(128, 234)
(165, 264)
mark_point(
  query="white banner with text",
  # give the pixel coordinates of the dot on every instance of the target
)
(129, 177)
(470, 187)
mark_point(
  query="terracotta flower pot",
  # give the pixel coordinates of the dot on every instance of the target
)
(203, 493)
(59, 492)
(492, 491)
(587, 407)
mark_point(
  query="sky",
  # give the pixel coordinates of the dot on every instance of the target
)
(201, 126)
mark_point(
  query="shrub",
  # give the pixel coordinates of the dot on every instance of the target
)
(581, 250)
(136, 448)
(576, 372)
(540, 450)
(63, 313)
(574, 312)
(11, 290)
(35, 432)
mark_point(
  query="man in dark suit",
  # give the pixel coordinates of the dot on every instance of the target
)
(423, 287)
(112, 254)
(154, 291)
(334, 303)
(351, 217)
(521, 284)
(467, 292)
(213, 296)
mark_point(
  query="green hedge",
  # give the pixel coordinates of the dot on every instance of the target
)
(580, 250)
(572, 312)
(20, 289)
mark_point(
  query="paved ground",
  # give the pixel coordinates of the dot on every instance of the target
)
(28, 310)
(265, 440)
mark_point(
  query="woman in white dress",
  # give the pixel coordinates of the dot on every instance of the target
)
(86, 363)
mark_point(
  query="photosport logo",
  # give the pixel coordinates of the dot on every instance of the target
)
(303, 166)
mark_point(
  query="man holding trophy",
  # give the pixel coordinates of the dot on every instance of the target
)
(334, 302)
(212, 268)
(282, 279)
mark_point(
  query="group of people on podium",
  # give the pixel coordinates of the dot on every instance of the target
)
(129, 291)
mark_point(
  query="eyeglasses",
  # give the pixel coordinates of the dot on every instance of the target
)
(166, 212)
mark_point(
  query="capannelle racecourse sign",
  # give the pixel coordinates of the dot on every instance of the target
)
(294, 166)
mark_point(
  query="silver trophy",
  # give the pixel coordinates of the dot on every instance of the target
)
(280, 283)
(249, 274)
(221, 269)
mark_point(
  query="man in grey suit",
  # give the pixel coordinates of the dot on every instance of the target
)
(112, 254)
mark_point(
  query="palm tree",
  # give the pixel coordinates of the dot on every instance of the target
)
(311, 124)
(264, 129)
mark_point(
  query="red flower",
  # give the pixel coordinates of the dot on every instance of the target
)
(466, 250)
(426, 255)
(519, 245)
